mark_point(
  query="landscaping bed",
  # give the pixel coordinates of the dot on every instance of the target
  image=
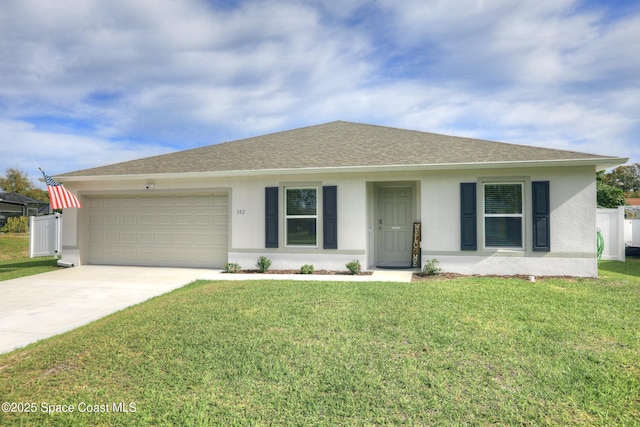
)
(317, 272)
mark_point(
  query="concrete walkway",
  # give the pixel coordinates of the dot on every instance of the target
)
(37, 307)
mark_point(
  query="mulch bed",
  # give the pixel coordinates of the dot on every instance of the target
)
(320, 272)
(416, 277)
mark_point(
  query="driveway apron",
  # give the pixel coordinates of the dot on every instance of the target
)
(37, 307)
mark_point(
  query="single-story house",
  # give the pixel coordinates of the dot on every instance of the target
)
(15, 205)
(336, 192)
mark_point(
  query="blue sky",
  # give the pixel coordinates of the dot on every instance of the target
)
(86, 83)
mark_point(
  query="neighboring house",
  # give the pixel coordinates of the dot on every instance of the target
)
(632, 210)
(13, 204)
(332, 193)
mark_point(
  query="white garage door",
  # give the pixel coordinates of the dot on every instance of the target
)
(175, 231)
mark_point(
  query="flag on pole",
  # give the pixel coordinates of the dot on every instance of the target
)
(59, 197)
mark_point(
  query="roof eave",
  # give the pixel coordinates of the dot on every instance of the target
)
(597, 163)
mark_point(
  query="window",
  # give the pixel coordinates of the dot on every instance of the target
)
(301, 216)
(503, 219)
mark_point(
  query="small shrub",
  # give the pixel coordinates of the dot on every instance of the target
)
(263, 264)
(431, 267)
(307, 269)
(16, 224)
(354, 266)
(231, 267)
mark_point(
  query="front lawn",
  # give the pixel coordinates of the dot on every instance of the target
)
(15, 261)
(470, 350)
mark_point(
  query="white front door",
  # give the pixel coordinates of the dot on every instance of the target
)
(394, 226)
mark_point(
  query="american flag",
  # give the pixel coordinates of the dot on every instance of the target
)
(60, 197)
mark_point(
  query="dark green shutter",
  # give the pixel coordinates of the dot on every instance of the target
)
(330, 217)
(468, 222)
(271, 217)
(541, 226)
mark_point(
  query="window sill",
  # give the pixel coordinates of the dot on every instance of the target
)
(505, 252)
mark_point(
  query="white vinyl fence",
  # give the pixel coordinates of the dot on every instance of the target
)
(610, 224)
(45, 235)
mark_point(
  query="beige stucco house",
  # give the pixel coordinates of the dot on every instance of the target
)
(332, 193)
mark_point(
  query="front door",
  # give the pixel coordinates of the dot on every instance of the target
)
(394, 226)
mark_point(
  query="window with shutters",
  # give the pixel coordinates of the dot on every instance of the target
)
(301, 216)
(503, 215)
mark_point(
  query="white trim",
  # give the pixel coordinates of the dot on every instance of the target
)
(520, 215)
(287, 217)
(598, 163)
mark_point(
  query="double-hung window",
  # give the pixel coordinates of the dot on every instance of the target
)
(301, 216)
(503, 215)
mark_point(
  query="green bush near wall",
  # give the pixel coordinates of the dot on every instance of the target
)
(16, 224)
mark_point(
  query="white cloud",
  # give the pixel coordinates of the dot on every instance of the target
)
(27, 148)
(88, 75)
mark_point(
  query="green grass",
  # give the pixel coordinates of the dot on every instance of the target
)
(474, 351)
(15, 261)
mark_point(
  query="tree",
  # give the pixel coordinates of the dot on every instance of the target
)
(38, 194)
(17, 181)
(609, 196)
(626, 178)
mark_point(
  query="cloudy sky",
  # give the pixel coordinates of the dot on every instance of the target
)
(86, 83)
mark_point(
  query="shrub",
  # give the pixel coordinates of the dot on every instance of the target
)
(16, 224)
(307, 269)
(263, 264)
(609, 196)
(354, 266)
(231, 267)
(431, 268)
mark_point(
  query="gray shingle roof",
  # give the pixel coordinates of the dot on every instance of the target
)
(18, 198)
(336, 145)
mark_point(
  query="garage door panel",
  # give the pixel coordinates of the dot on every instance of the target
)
(182, 219)
(165, 231)
(128, 219)
(112, 238)
(130, 238)
(164, 238)
(112, 203)
(203, 239)
(202, 219)
(128, 202)
(164, 219)
(146, 238)
(112, 219)
(146, 219)
(96, 220)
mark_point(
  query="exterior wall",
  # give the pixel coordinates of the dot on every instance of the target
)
(572, 222)
(248, 225)
(437, 207)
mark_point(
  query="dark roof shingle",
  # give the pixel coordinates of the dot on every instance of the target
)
(335, 145)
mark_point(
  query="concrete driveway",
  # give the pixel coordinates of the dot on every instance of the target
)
(47, 304)
(37, 307)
